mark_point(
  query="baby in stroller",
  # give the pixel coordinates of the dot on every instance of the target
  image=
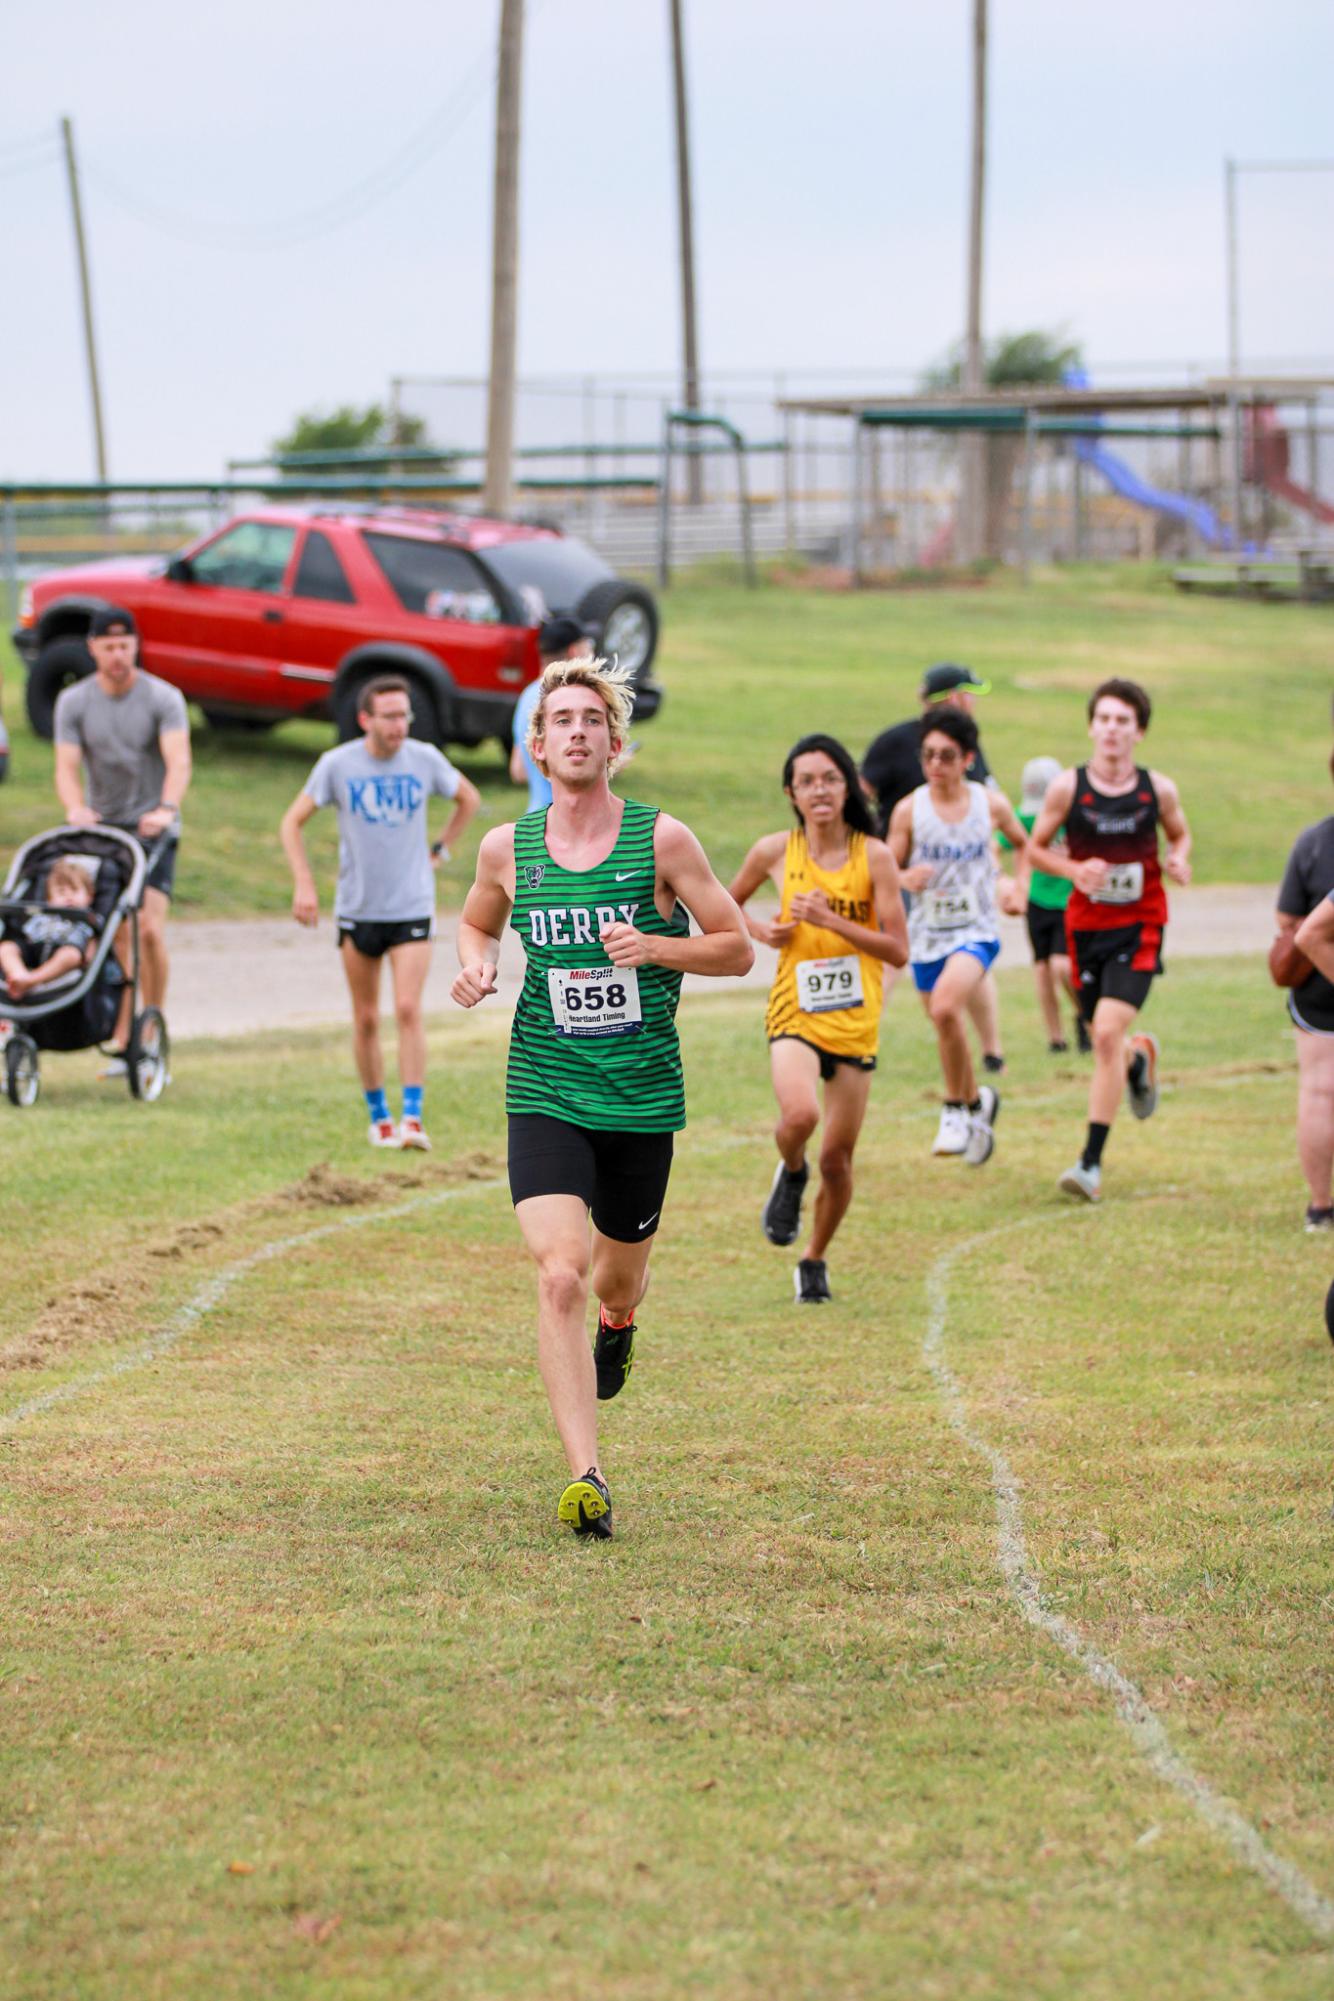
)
(46, 945)
(64, 902)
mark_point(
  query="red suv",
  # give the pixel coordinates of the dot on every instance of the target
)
(289, 611)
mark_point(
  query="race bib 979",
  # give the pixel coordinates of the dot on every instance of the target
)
(595, 1000)
(826, 984)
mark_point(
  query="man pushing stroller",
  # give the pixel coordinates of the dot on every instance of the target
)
(123, 760)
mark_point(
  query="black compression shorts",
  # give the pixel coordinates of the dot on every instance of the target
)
(1046, 932)
(373, 940)
(828, 1061)
(1120, 964)
(620, 1176)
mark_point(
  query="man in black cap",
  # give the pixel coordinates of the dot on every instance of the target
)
(892, 768)
(123, 760)
(559, 638)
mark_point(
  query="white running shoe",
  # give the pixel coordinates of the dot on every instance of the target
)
(413, 1134)
(1143, 1097)
(383, 1132)
(952, 1132)
(1085, 1182)
(981, 1138)
(115, 1066)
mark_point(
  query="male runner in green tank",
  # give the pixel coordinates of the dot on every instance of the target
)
(597, 889)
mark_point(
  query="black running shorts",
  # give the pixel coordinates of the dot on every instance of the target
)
(1120, 964)
(620, 1176)
(1046, 932)
(162, 874)
(829, 1062)
(374, 940)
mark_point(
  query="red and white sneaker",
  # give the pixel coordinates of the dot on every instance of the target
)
(412, 1133)
(383, 1132)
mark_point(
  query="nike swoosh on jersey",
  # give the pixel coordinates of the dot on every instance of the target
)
(628, 874)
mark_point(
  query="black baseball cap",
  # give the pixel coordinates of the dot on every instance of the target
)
(558, 634)
(111, 620)
(944, 678)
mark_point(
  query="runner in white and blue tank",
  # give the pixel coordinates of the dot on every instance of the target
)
(941, 836)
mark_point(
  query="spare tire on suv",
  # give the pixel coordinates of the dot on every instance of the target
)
(626, 620)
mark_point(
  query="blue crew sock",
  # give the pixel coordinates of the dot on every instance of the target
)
(412, 1101)
(377, 1105)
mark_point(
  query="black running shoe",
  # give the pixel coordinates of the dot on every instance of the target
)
(810, 1282)
(1058, 1047)
(613, 1357)
(1082, 1037)
(995, 1064)
(586, 1506)
(782, 1212)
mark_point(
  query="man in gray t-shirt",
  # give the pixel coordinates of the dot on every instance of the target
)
(123, 759)
(384, 905)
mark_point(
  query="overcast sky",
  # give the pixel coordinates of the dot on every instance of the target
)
(830, 147)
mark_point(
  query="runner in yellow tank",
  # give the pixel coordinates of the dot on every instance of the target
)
(841, 919)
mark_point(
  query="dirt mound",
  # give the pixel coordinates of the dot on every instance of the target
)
(322, 1187)
(92, 1310)
(189, 1237)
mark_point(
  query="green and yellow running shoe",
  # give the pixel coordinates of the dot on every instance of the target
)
(586, 1506)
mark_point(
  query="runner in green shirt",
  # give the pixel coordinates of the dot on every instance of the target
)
(597, 889)
(1047, 898)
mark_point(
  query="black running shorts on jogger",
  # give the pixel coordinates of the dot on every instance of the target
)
(620, 1176)
(1117, 964)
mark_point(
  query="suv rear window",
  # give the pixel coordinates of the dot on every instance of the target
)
(319, 574)
(434, 578)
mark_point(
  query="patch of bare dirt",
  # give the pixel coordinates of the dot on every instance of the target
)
(93, 1309)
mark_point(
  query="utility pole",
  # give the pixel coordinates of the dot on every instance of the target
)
(498, 496)
(90, 344)
(690, 386)
(972, 510)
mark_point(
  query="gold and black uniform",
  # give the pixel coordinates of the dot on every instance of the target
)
(826, 993)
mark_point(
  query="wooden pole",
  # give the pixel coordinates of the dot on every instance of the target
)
(972, 510)
(498, 491)
(690, 386)
(85, 288)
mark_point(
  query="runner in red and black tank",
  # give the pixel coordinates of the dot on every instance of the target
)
(1112, 809)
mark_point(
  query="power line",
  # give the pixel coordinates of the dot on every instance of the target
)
(442, 125)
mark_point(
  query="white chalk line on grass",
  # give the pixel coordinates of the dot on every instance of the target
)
(1020, 1573)
(214, 1290)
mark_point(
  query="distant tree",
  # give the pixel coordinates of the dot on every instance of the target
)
(1012, 361)
(352, 429)
(1033, 360)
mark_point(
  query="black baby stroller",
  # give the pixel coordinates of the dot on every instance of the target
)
(79, 1011)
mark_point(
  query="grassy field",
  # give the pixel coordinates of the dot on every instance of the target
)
(305, 1694)
(1243, 694)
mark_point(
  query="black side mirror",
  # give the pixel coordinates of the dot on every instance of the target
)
(179, 570)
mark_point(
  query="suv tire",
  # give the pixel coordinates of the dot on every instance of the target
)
(627, 623)
(58, 666)
(425, 724)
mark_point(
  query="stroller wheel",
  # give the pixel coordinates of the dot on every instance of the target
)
(23, 1079)
(147, 1055)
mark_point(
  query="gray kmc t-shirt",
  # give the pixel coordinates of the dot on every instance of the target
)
(384, 862)
(117, 736)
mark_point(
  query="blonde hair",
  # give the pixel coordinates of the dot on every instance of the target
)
(67, 874)
(611, 681)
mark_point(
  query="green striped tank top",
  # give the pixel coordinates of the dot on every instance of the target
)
(592, 1043)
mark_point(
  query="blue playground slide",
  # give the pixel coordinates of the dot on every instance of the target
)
(1125, 481)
